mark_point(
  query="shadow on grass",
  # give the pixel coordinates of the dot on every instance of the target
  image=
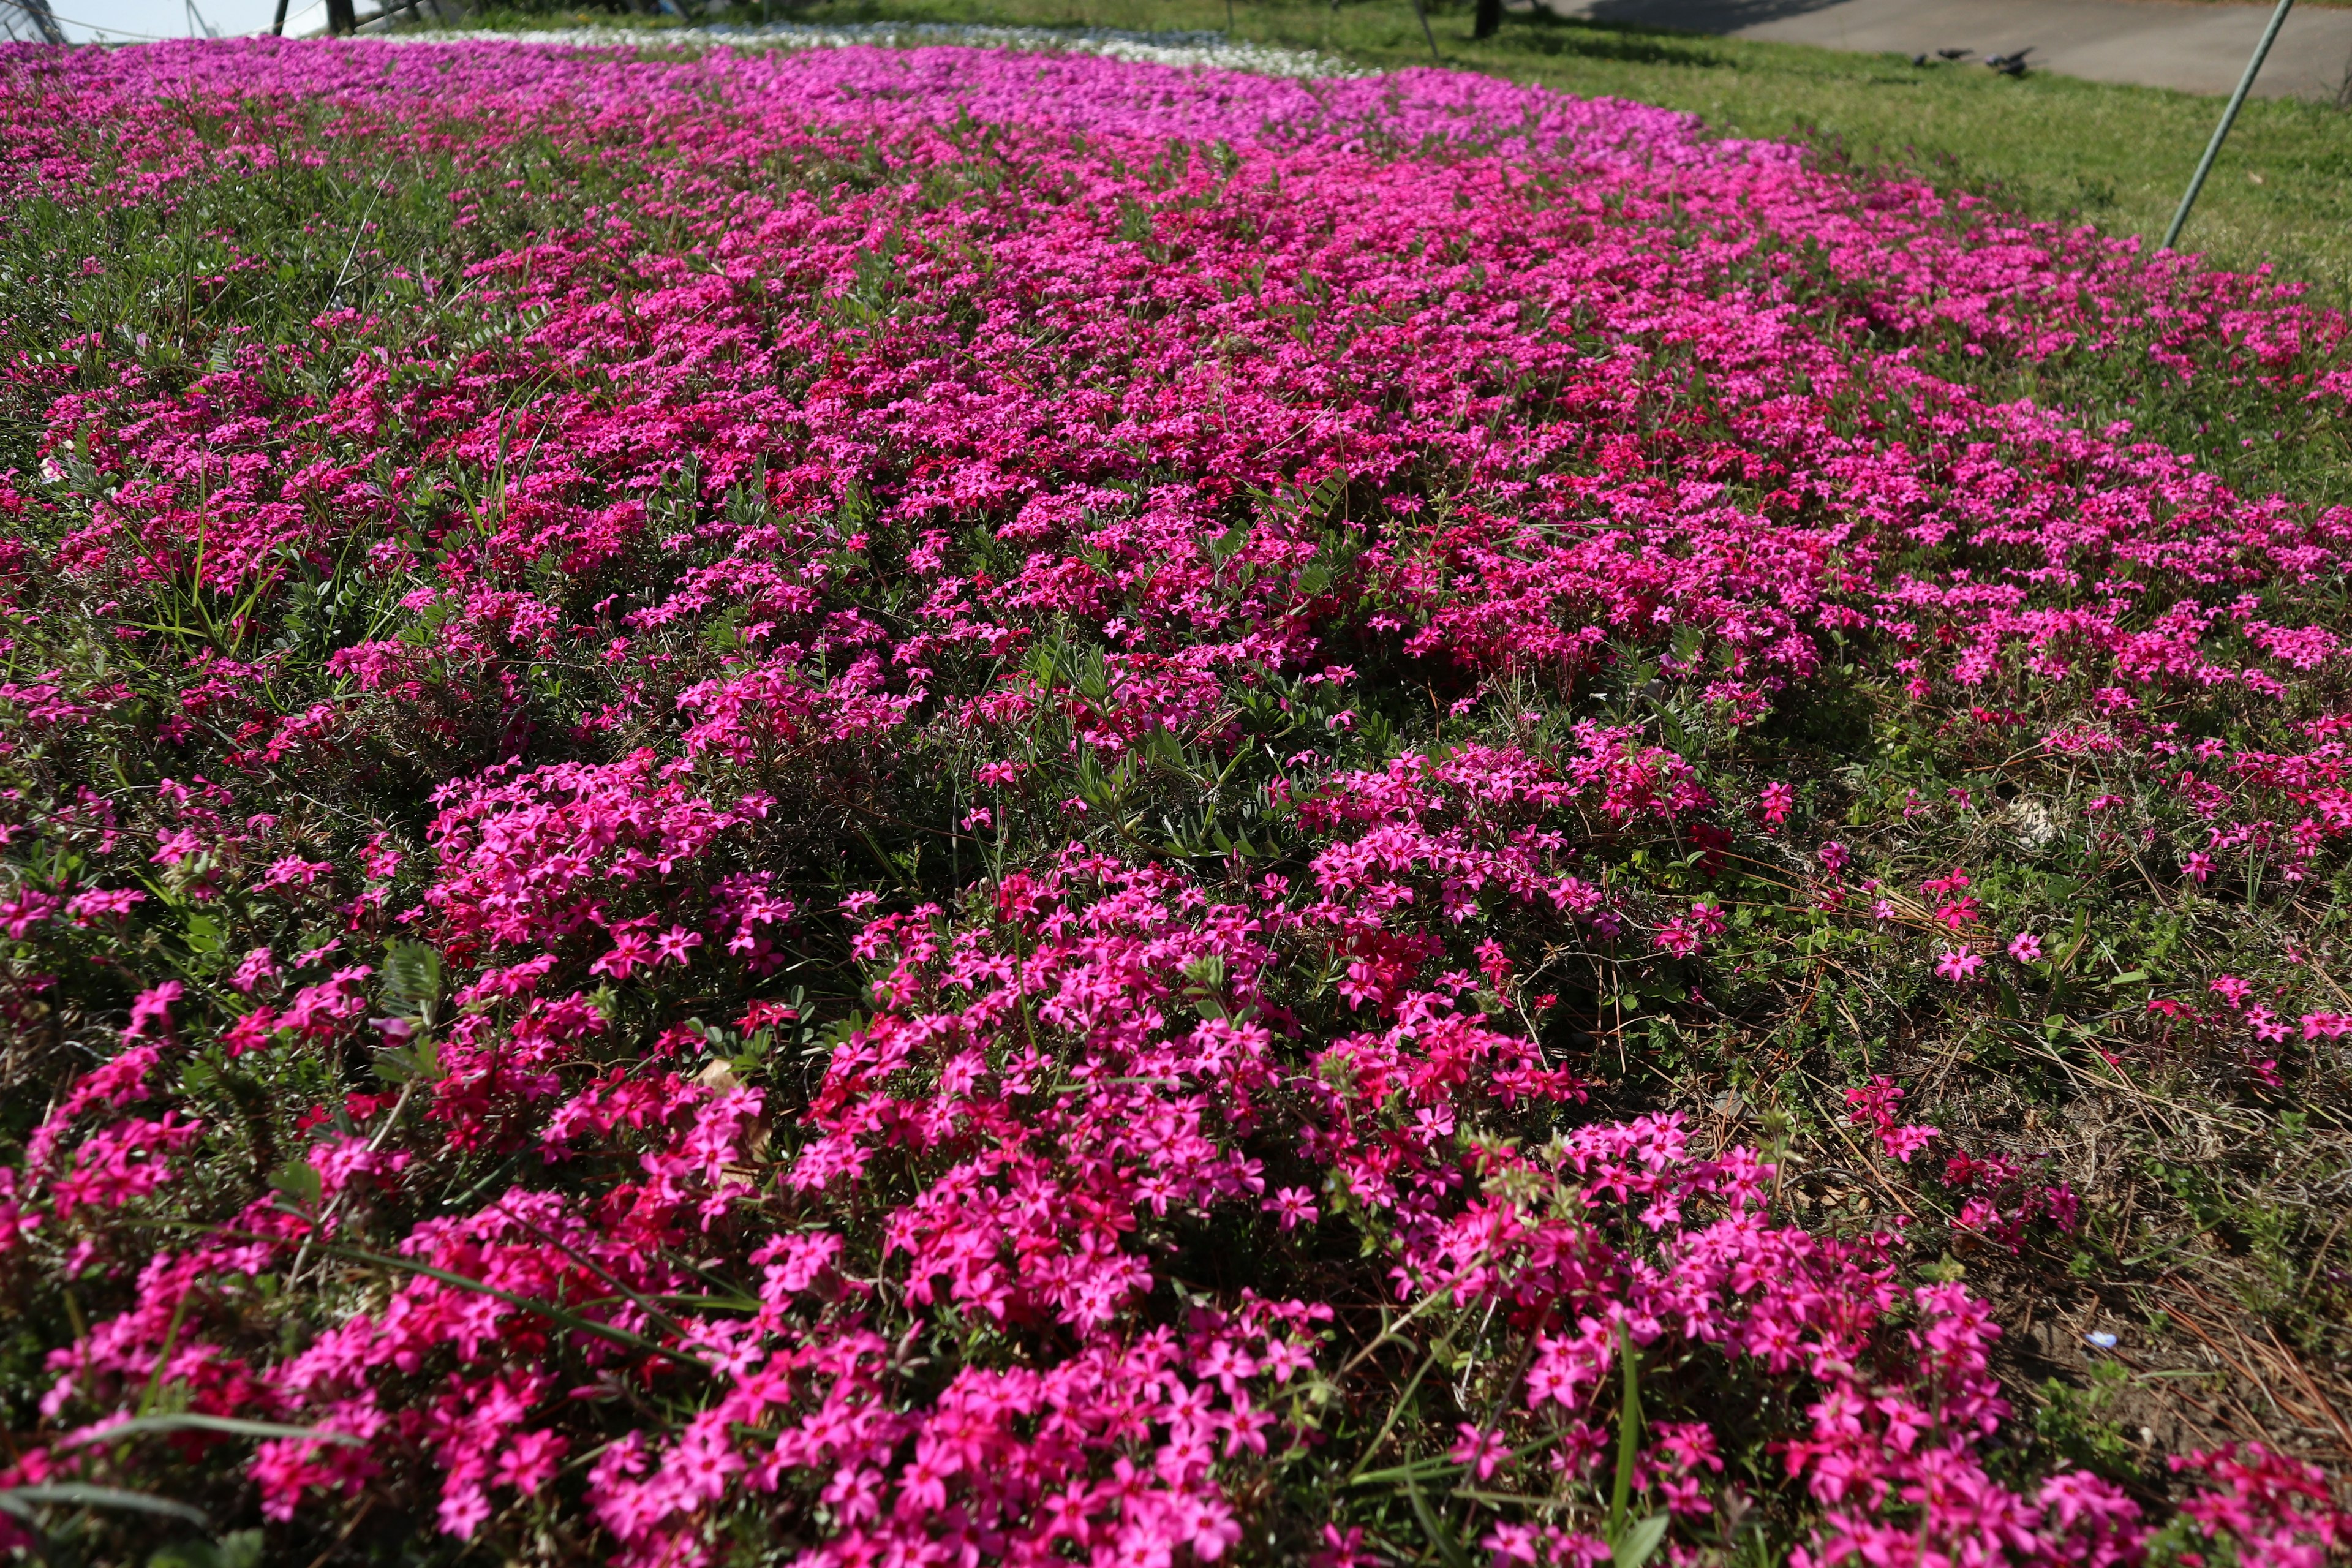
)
(1626, 43)
(1701, 16)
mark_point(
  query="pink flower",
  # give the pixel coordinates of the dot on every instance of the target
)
(863, 495)
(1484, 1452)
(631, 950)
(151, 1011)
(254, 969)
(182, 844)
(1295, 1205)
(25, 910)
(1876, 1106)
(292, 871)
(529, 1460)
(1958, 915)
(1902, 1142)
(1512, 1542)
(108, 904)
(1345, 1549)
(2231, 990)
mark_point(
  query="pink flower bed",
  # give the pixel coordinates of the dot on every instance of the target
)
(834, 931)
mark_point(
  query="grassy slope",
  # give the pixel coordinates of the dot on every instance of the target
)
(2183, 1191)
(2053, 146)
(2196, 1216)
(2122, 155)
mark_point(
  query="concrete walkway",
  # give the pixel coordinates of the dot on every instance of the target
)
(2153, 43)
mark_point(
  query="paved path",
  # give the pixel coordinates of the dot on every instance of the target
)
(2154, 43)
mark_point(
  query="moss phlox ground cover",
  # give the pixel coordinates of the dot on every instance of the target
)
(904, 813)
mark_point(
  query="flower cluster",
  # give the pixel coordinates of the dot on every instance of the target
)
(935, 806)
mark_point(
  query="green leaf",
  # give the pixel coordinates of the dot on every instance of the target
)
(399, 1064)
(1634, 1548)
(413, 975)
(1440, 1535)
(227, 1426)
(20, 1501)
(238, 1549)
(547, 1310)
(298, 1180)
(204, 934)
(1629, 1435)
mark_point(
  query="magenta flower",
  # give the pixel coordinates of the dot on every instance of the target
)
(25, 910)
(97, 905)
(1482, 1451)
(1903, 1142)
(1294, 1205)
(1960, 914)
(151, 1011)
(755, 541)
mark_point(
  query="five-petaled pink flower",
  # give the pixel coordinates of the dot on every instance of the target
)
(1958, 964)
(1296, 1206)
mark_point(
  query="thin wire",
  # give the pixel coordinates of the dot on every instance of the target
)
(115, 32)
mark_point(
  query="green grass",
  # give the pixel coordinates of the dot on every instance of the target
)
(2050, 146)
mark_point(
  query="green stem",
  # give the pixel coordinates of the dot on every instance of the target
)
(1629, 1435)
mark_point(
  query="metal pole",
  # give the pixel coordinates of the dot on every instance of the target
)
(2229, 114)
(278, 28)
(1424, 15)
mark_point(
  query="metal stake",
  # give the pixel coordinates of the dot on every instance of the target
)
(2230, 113)
(1424, 15)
